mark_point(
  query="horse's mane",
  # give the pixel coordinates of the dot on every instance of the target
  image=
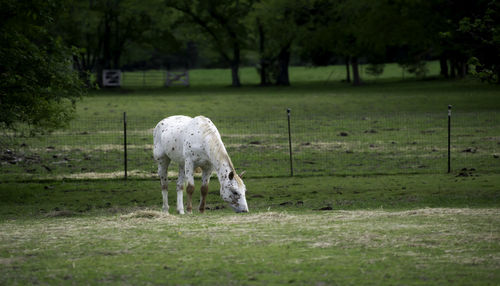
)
(216, 148)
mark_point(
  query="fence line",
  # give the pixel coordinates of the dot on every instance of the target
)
(320, 145)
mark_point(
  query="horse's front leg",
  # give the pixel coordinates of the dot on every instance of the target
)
(180, 190)
(189, 172)
(204, 188)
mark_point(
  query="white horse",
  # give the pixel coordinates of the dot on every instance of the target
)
(192, 143)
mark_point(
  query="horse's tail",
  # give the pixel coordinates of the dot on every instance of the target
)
(157, 141)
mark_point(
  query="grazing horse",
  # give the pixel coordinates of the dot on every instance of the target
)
(192, 143)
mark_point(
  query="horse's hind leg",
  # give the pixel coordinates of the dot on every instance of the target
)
(204, 189)
(163, 173)
(180, 188)
(189, 170)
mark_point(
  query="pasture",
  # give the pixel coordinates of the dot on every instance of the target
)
(354, 213)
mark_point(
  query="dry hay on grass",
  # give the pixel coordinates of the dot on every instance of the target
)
(146, 214)
(62, 213)
(107, 175)
(452, 235)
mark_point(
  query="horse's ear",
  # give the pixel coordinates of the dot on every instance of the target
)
(242, 174)
(231, 175)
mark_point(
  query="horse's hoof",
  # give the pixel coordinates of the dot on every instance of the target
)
(181, 212)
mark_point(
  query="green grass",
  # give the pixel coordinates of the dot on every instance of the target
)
(430, 229)
(393, 127)
(249, 75)
(301, 194)
(375, 247)
(373, 207)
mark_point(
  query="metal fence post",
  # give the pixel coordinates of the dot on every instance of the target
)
(449, 138)
(290, 142)
(125, 143)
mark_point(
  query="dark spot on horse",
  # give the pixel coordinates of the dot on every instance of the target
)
(173, 148)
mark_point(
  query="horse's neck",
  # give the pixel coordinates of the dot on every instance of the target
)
(218, 156)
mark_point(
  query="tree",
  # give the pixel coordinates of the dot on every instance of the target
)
(37, 84)
(102, 30)
(279, 23)
(376, 31)
(483, 47)
(223, 22)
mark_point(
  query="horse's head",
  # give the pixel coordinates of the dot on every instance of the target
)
(233, 191)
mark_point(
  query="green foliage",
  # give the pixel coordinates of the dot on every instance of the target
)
(272, 34)
(483, 72)
(37, 84)
(483, 35)
(375, 69)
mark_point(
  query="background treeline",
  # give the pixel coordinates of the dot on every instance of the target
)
(48, 47)
(273, 34)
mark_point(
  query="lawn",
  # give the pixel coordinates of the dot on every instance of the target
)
(383, 127)
(370, 203)
(393, 229)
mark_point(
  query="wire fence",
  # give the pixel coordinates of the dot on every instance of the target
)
(365, 144)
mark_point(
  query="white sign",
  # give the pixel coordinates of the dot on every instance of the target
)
(111, 77)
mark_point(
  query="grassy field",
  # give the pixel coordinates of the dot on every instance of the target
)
(364, 221)
(413, 229)
(363, 247)
(250, 76)
(383, 127)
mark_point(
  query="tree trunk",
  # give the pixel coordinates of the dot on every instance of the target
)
(263, 61)
(355, 71)
(453, 68)
(443, 63)
(348, 72)
(283, 62)
(463, 68)
(235, 65)
(235, 78)
(83, 69)
(105, 57)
